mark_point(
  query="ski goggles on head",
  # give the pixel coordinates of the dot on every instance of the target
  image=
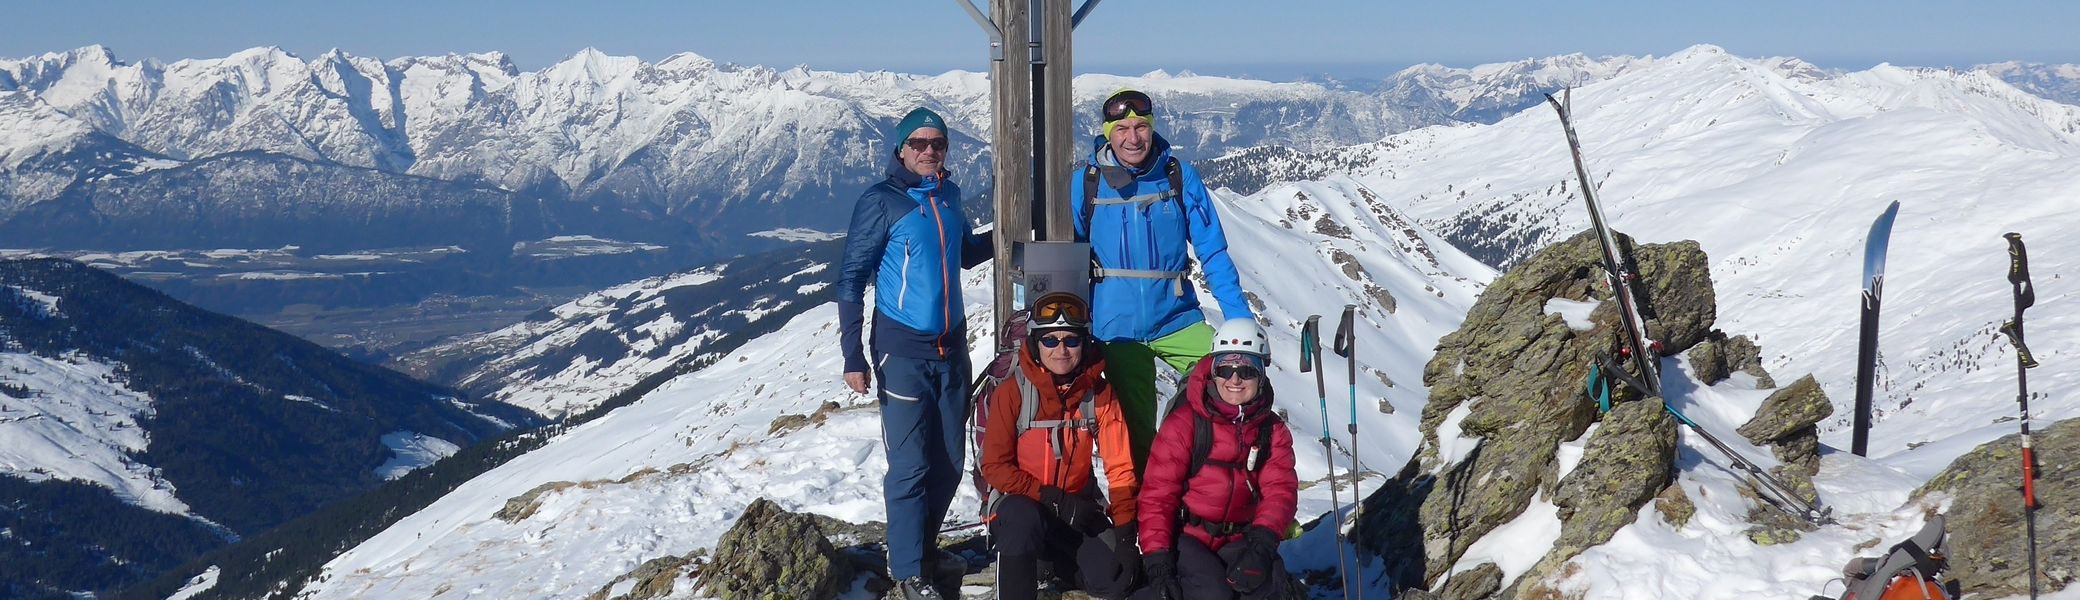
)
(1126, 103)
(1244, 372)
(1073, 341)
(920, 144)
(1060, 311)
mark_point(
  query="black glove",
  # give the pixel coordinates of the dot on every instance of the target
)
(1253, 567)
(1126, 547)
(1162, 573)
(1080, 513)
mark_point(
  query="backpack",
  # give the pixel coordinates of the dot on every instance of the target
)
(1907, 570)
(1201, 456)
(1002, 367)
(1175, 174)
(1090, 188)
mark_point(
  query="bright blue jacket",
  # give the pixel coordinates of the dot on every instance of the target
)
(1153, 236)
(908, 234)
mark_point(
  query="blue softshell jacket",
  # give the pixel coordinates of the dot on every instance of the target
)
(909, 237)
(1153, 236)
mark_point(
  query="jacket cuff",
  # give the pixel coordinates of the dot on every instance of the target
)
(850, 317)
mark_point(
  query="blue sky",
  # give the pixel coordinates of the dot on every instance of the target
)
(1263, 38)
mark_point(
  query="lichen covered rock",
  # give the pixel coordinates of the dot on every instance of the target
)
(772, 553)
(1787, 423)
(1989, 553)
(1507, 388)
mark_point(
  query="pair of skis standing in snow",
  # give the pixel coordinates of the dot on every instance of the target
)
(1910, 568)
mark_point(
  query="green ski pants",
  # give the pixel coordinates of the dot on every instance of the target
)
(1131, 367)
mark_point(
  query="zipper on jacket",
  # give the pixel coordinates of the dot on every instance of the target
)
(946, 290)
(903, 291)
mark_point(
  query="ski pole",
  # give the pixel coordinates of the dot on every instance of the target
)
(1346, 347)
(1311, 360)
(2025, 297)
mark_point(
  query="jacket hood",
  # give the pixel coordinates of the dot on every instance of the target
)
(1201, 397)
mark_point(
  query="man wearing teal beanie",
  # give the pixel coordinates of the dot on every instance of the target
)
(908, 237)
(1142, 209)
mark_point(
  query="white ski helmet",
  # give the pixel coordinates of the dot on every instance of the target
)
(1242, 335)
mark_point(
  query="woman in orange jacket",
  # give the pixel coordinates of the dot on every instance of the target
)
(1043, 430)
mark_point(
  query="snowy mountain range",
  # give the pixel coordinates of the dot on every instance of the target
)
(1775, 170)
(729, 149)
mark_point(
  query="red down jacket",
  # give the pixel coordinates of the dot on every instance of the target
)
(1217, 494)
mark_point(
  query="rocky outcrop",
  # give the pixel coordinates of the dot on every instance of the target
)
(1718, 357)
(1509, 383)
(1787, 423)
(772, 553)
(1989, 553)
(656, 578)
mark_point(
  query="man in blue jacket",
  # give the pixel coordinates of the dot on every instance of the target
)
(1140, 208)
(908, 235)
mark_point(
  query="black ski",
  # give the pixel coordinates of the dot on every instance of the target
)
(1646, 354)
(1867, 340)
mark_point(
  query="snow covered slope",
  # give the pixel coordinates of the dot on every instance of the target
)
(667, 474)
(1779, 178)
(1778, 172)
(103, 381)
(571, 358)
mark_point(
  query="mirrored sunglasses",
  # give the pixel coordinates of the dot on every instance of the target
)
(1074, 341)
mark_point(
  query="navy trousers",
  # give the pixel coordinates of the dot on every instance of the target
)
(924, 411)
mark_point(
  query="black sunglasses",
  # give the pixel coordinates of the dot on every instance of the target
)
(919, 144)
(1245, 372)
(1073, 341)
(1118, 106)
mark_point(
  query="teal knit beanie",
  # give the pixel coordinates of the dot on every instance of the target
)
(917, 119)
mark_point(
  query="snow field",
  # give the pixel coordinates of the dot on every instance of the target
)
(78, 423)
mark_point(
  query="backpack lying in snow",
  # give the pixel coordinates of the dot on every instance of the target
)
(1907, 571)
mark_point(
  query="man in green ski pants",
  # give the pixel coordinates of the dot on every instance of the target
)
(1142, 210)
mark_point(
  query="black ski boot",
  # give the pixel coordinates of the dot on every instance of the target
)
(948, 569)
(915, 588)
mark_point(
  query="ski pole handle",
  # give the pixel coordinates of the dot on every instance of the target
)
(1346, 331)
(2022, 353)
(1311, 344)
(2018, 272)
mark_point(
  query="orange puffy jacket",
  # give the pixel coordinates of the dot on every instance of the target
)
(1021, 464)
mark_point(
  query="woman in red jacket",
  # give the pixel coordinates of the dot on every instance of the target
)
(1044, 427)
(1211, 530)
